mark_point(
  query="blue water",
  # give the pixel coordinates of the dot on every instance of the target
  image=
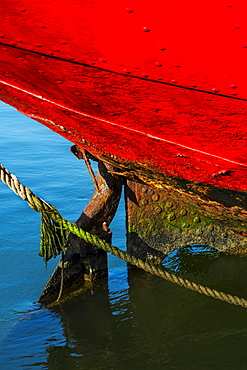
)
(42, 161)
(135, 321)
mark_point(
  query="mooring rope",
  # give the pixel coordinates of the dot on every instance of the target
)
(55, 230)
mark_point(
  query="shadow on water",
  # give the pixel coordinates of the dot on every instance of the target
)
(144, 323)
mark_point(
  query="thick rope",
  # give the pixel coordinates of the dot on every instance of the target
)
(61, 224)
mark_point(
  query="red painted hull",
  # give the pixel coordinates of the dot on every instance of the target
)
(154, 86)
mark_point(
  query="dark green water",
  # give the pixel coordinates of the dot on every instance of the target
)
(133, 320)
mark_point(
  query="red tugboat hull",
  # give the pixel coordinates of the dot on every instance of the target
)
(160, 90)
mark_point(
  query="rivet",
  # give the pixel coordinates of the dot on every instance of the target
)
(174, 81)
(22, 10)
(155, 197)
(146, 29)
(38, 45)
(129, 10)
(197, 219)
(1, 35)
(171, 216)
(158, 210)
(161, 47)
(177, 65)
(183, 212)
(102, 60)
(237, 26)
(229, 5)
(144, 202)
(215, 90)
(158, 64)
(244, 44)
(126, 70)
(169, 204)
(144, 74)
(233, 86)
(40, 71)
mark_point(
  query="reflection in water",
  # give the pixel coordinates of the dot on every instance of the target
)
(192, 258)
(141, 321)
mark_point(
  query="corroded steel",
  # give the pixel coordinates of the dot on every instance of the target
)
(84, 264)
(158, 87)
(160, 221)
